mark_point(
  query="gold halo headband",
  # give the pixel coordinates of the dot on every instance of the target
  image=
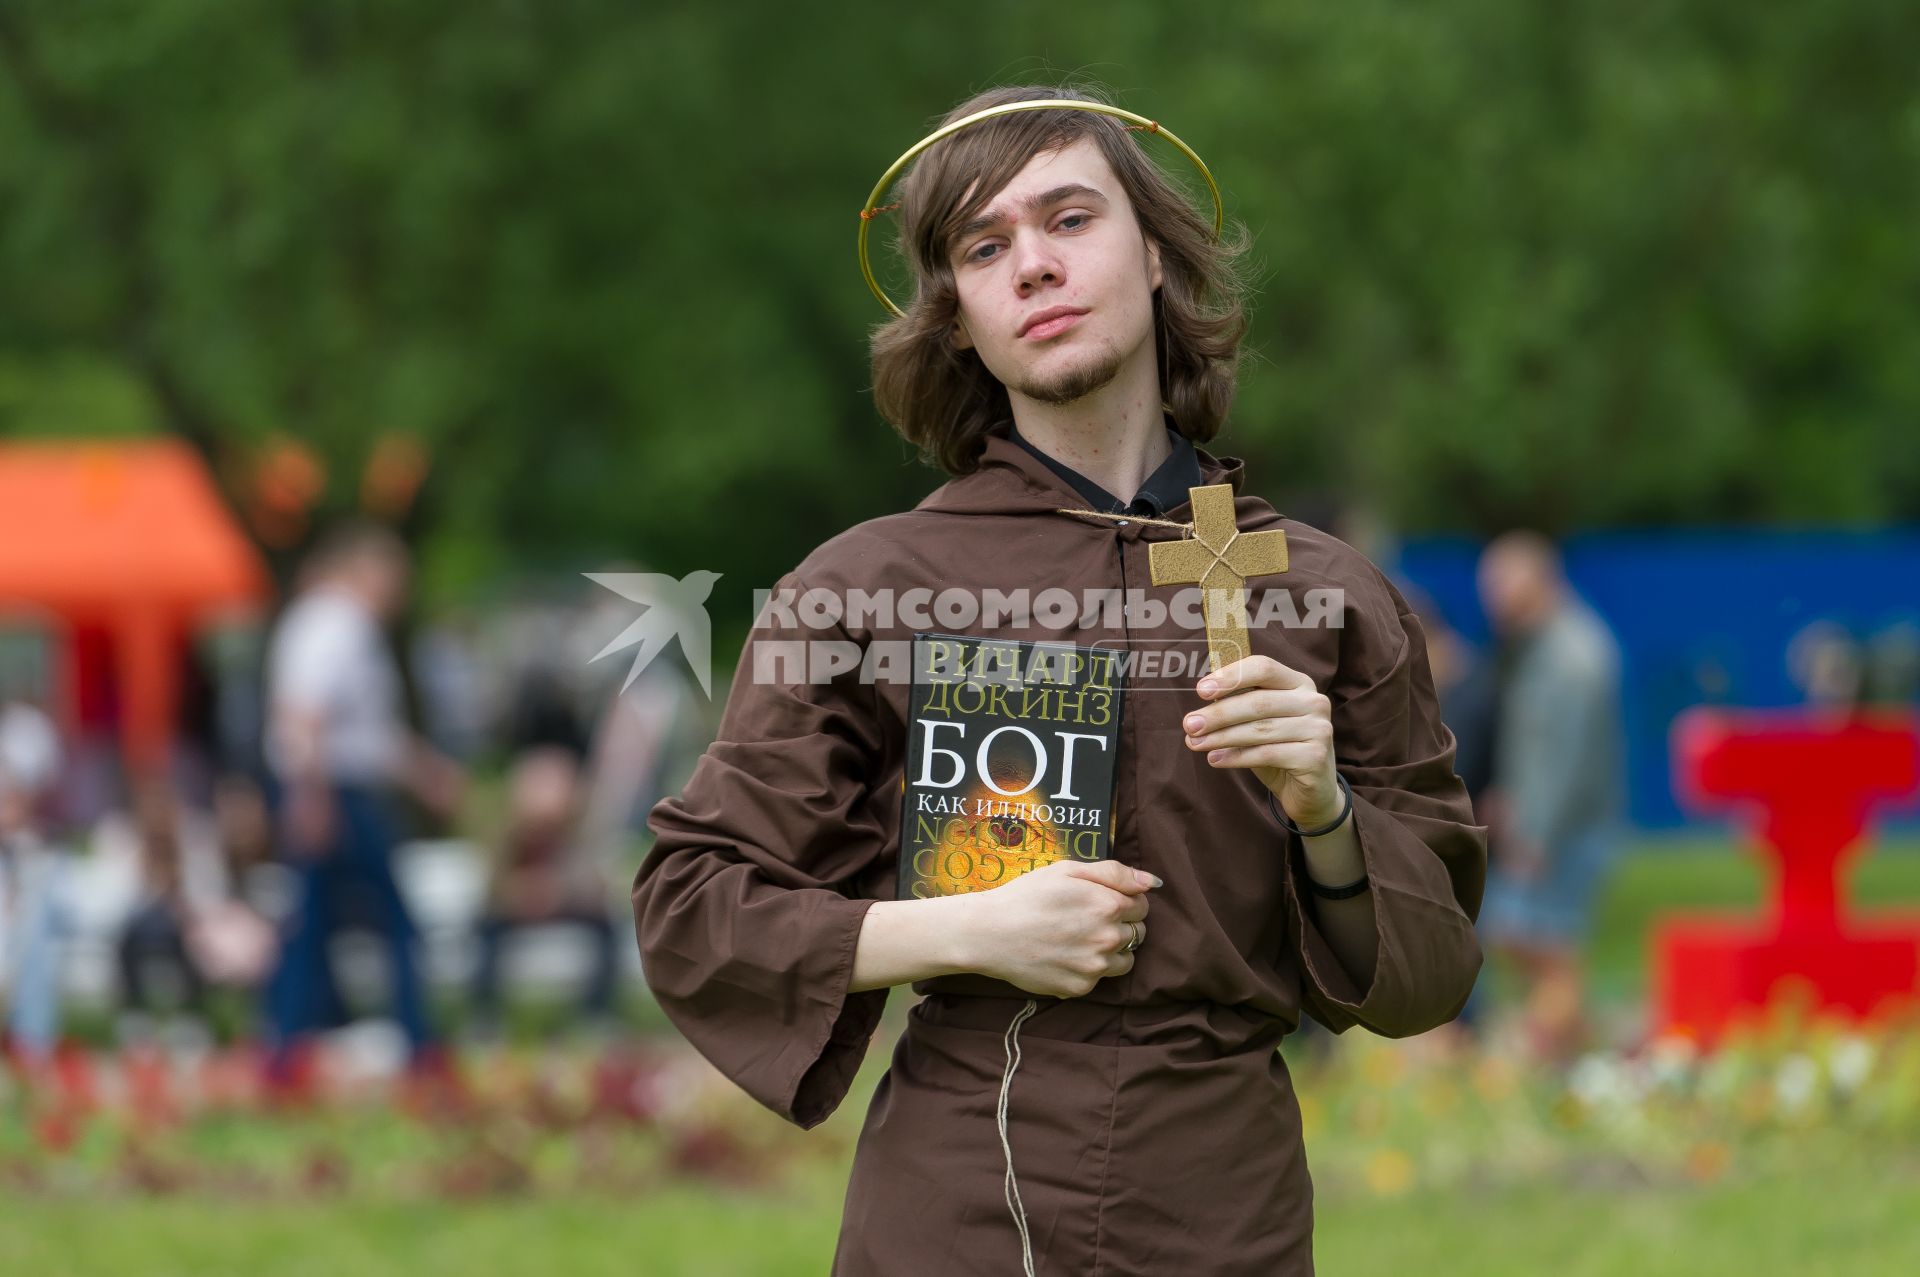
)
(868, 213)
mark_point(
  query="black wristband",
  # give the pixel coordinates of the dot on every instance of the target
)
(1353, 888)
(1346, 809)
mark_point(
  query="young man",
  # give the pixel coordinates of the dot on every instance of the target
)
(1072, 336)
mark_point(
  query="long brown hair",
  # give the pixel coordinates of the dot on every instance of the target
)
(942, 398)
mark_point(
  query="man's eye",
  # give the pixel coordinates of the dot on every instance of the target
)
(980, 254)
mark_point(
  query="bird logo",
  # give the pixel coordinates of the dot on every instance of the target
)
(674, 608)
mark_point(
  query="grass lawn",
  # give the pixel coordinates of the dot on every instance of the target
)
(677, 1233)
(1848, 1220)
(1823, 1199)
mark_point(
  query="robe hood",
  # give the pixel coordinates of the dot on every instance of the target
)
(1011, 480)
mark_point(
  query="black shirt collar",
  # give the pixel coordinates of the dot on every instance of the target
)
(1164, 489)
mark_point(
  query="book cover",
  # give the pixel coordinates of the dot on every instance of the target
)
(1012, 752)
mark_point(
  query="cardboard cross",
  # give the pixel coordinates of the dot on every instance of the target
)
(1219, 558)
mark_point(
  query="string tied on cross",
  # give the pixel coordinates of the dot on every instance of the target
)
(1217, 556)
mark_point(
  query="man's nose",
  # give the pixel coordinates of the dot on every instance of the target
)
(1035, 263)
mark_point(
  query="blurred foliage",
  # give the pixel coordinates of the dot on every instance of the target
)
(1569, 265)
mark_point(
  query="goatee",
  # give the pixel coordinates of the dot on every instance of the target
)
(1075, 383)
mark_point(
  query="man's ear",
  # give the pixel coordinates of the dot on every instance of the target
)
(1153, 265)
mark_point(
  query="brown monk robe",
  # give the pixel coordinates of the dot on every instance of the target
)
(1152, 1124)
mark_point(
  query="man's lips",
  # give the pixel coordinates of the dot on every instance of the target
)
(1049, 322)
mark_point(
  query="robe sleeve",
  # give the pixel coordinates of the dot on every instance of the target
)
(747, 907)
(1426, 860)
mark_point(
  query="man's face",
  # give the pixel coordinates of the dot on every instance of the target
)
(383, 583)
(1515, 590)
(1061, 234)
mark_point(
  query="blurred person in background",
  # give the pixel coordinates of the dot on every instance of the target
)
(1892, 675)
(1828, 664)
(452, 684)
(33, 879)
(154, 870)
(231, 939)
(1467, 680)
(160, 881)
(648, 728)
(245, 826)
(545, 872)
(1557, 802)
(338, 746)
(1837, 669)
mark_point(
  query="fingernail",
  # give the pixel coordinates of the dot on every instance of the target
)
(1208, 687)
(1194, 722)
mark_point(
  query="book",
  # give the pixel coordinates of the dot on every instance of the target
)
(1012, 756)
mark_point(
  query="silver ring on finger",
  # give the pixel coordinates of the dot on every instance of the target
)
(1139, 934)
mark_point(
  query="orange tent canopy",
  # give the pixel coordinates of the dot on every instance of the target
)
(87, 525)
(130, 534)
